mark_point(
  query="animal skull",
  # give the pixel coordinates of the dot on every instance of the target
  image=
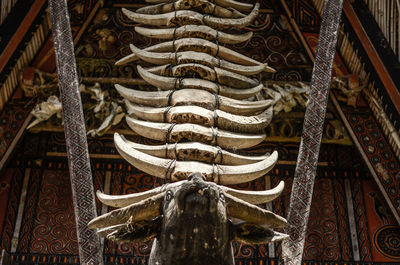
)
(191, 220)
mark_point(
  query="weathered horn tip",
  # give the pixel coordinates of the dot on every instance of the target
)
(269, 69)
(279, 237)
(92, 224)
(119, 138)
(281, 185)
(274, 155)
(98, 193)
(125, 11)
(281, 222)
(101, 196)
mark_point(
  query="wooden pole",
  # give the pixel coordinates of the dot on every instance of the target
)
(90, 250)
(307, 161)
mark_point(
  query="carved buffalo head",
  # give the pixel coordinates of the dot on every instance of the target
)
(191, 220)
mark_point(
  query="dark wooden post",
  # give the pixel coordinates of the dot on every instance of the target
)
(306, 167)
(90, 250)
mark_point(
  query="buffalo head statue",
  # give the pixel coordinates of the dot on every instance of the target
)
(193, 221)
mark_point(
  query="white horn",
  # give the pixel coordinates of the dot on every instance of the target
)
(215, 74)
(185, 97)
(195, 57)
(193, 151)
(170, 83)
(180, 170)
(194, 31)
(119, 201)
(184, 17)
(206, 6)
(226, 3)
(173, 133)
(256, 197)
(202, 116)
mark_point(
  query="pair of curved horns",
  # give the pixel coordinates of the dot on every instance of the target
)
(172, 133)
(193, 151)
(205, 6)
(184, 97)
(183, 17)
(194, 31)
(151, 208)
(196, 57)
(226, 3)
(199, 45)
(253, 197)
(180, 170)
(235, 81)
(199, 115)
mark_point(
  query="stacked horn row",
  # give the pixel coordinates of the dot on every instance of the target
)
(203, 104)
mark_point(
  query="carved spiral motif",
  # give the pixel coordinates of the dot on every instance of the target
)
(387, 241)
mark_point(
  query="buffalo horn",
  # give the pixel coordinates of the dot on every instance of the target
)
(195, 57)
(206, 46)
(169, 132)
(256, 197)
(226, 3)
(147, 209)
(182, 17)
(253, 197)
(215, 74)
(119, 201)
(245, 211)
(185, 97)
(194, 31)
(192, 151)
(169, 83)
(180, 170)
(206, 6)
(199, 115)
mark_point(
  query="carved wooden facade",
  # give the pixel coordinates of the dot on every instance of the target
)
(350, 220)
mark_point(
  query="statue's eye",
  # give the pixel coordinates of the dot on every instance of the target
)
(222, 197)
(169, 196)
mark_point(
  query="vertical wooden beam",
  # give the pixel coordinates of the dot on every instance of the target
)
(20, 213)
(90, 249)
(352, 220)
(303, 183)
(5, 258)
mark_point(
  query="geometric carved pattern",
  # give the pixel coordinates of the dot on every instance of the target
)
(379, 154)
(363, 237)
(302, 189)
(90, 251)
(342, 223)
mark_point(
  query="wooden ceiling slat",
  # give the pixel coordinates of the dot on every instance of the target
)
(20, 33)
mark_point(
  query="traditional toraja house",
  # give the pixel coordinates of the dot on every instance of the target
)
(354, 216)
